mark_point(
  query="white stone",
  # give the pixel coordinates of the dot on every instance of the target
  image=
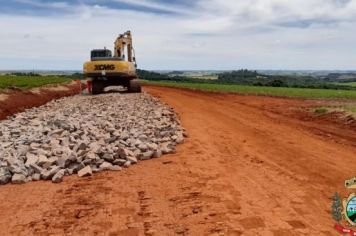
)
(83, 133)
(133, 160)
(18, 179)
(31, 159)
(5, 175)
(86, 171)
(105, 166)
(58, 177)
(42, 159)
(50, 173)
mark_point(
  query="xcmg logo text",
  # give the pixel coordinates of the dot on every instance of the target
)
(104, 67)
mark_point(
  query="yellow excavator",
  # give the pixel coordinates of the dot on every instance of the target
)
(104, 70)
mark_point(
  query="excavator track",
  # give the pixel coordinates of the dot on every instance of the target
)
(134, 86)
(97, 87)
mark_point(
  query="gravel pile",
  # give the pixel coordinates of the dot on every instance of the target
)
(85, 134)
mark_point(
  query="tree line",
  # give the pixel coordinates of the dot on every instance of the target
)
(252, 78)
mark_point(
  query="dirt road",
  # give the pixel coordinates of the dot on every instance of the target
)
(247, 168)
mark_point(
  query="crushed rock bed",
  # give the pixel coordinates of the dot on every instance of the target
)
(85, 134)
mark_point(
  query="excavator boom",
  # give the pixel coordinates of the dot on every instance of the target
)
(122, 43)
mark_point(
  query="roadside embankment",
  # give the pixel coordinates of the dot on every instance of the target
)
(15, 100)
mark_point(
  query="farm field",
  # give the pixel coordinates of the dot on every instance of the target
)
(201, 76)
(261, 90)
(350, 83)
(7, 81)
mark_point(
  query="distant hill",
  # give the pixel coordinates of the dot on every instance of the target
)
(41, 72)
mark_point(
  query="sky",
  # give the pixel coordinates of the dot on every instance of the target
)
(181, 34)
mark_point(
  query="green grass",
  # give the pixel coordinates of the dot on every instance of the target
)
(347, 108)
(350, 84)
(208, 77)
(321, 110)
(259, 90)
(350, 108)
(30, 81)
(353, 84)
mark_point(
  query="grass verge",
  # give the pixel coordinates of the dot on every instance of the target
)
(321, 110)
(349, 109)
(30, 81)
(353, 84)
(260, 90)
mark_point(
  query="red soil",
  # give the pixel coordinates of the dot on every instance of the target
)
(251, 165)
(18, 100)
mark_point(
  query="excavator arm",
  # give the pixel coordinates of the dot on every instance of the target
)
(123, 45)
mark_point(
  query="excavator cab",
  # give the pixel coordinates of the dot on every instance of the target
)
(98, 54)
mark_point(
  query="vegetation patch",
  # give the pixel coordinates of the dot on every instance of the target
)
(321, 110)
(30, 81)
(350, 108)
(353, 84)
(261, 90)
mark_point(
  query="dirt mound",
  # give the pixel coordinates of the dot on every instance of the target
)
(17, 100)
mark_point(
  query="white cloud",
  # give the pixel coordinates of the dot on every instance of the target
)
(54, 5)
(157, 6)
(212, 34)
